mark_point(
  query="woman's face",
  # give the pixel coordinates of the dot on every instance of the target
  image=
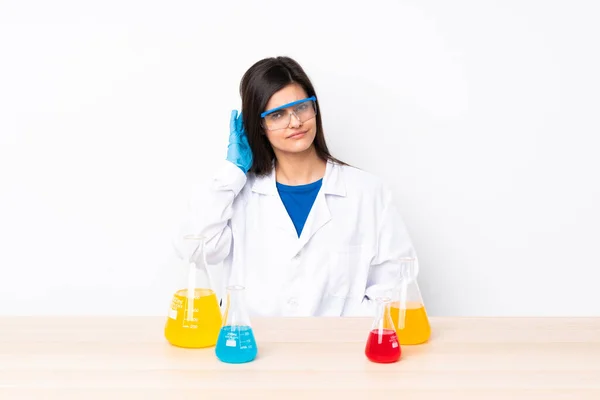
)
(298, 136)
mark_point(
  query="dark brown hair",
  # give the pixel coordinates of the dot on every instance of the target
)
(258, 84)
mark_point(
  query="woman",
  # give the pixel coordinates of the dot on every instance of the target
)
(306, 234)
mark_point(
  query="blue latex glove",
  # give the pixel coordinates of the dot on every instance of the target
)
(238, 150)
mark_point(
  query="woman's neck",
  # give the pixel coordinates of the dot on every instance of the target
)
(299, 168)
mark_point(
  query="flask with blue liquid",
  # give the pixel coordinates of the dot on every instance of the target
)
(236, 343)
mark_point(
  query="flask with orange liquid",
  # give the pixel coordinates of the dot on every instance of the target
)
(194, 318)
(407, 309)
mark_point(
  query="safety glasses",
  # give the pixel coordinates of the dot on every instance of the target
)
(280, 117)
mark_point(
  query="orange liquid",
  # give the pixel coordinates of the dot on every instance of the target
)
(203, 329)
(416, 328)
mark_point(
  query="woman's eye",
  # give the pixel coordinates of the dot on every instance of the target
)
(275, 115)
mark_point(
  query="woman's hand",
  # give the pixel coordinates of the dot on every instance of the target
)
(238, 150)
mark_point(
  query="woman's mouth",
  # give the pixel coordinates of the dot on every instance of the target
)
(296, 135)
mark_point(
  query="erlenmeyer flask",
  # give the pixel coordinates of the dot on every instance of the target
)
(195, 318)
(407, 309)
(236, 343)
(382, 343)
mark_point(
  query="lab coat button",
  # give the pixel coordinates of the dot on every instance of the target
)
(293, 303)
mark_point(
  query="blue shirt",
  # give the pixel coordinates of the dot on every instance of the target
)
(298, 201)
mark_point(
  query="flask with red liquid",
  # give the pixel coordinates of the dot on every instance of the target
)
(382, 343)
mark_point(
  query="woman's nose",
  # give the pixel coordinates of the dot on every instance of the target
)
(294, 121)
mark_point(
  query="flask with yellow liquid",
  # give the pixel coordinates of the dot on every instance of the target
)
(407, 308)
(194, 319)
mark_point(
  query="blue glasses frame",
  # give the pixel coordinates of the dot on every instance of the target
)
(293, 103)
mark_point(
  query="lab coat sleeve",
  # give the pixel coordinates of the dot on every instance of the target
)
(210, 210)
(393, 242)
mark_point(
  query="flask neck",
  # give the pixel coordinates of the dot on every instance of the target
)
(235, 296)
(236, 311)
(383, 318)
(198, 274)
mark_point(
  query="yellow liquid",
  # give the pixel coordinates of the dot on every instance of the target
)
(416, 328)
(203, 329)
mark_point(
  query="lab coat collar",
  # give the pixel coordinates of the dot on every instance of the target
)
(333, 182)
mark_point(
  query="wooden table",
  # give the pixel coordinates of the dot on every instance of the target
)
(312, 358)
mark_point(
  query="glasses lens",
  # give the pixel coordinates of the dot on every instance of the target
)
(305, 111)
(280, 119)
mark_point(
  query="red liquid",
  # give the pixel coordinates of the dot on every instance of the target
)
(383, 348)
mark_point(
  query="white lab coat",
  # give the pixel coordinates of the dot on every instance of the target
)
(344, 258)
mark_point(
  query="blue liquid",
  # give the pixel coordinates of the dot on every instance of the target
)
(236, 344)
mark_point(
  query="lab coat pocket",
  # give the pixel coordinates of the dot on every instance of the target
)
(345, 271)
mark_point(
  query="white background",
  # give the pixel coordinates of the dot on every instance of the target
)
(483, 116)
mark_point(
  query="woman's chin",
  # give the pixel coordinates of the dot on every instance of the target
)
(297, 147)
